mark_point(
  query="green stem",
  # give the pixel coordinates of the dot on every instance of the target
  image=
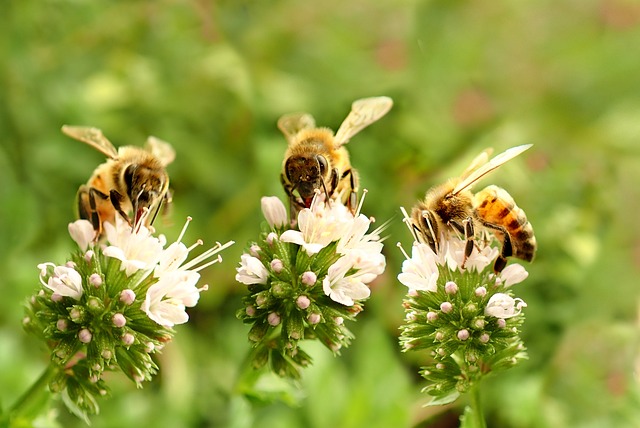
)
(29, 399)
(476, 407)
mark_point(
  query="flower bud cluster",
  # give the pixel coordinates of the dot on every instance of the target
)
(305, 281)
(111, 306)
(463, 313)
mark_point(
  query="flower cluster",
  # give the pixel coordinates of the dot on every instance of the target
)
(112, 305)
(305, 281)
(463, 313)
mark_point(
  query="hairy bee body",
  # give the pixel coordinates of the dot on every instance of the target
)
(132, 180)
(452, 207)
(316, 159)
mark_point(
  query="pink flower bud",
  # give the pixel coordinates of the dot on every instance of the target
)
(446, 307)
(276, 265)
(62, 324)
(309, 278)
(128, 339)
(118, 320)
(271, 238)
(95, 280)
(303, 302)
(84, 335)
(273, 319)
(463, 334)
(314, 318)
(254, 250)
(127, 297)
(451, 287)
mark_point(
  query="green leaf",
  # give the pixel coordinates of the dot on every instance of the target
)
(444, 399)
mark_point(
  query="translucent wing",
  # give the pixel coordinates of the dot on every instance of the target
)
(93, 137)
(489, 166)
(161, 150)
(363, 113)
(291, 124)
(477, 162)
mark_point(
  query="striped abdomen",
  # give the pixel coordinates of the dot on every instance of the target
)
(495, 206)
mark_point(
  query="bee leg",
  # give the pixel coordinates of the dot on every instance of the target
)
(352, 202)
(294, 205)
(91, 213)
(507, 247)
(332, 186)
(116, 200)
(469, 235)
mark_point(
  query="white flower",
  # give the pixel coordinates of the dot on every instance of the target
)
(345, 289)
(503, 306)
(369, 265)
(167, 299)
(251, 271)
(479, 260)
(136, 249)
(420, 272)
(65, 281)
(82, 232)
(355, 238)
(319, 226)
(274, 211)
(171, 258)
(513, 274)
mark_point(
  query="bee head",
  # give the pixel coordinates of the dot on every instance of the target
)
(145, 187)
(307, 173)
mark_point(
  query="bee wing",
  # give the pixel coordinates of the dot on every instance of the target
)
(363, 113)
(291, 124)
(477, 162)
(161, 150)
(93, 137)
(481, 171)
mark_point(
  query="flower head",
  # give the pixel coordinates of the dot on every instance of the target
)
(112, 310)
(306, 279)
(456, 307)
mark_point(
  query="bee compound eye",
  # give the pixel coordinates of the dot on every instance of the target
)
(322, 163)
(128, 176)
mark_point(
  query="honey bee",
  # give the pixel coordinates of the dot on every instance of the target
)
(316, 159)
(132, 180)
(452, 207)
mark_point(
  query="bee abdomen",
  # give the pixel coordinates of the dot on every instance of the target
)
(496, 206)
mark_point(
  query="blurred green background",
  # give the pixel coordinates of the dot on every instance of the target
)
(212, 78)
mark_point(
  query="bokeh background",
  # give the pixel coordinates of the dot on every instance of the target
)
(212, 78)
